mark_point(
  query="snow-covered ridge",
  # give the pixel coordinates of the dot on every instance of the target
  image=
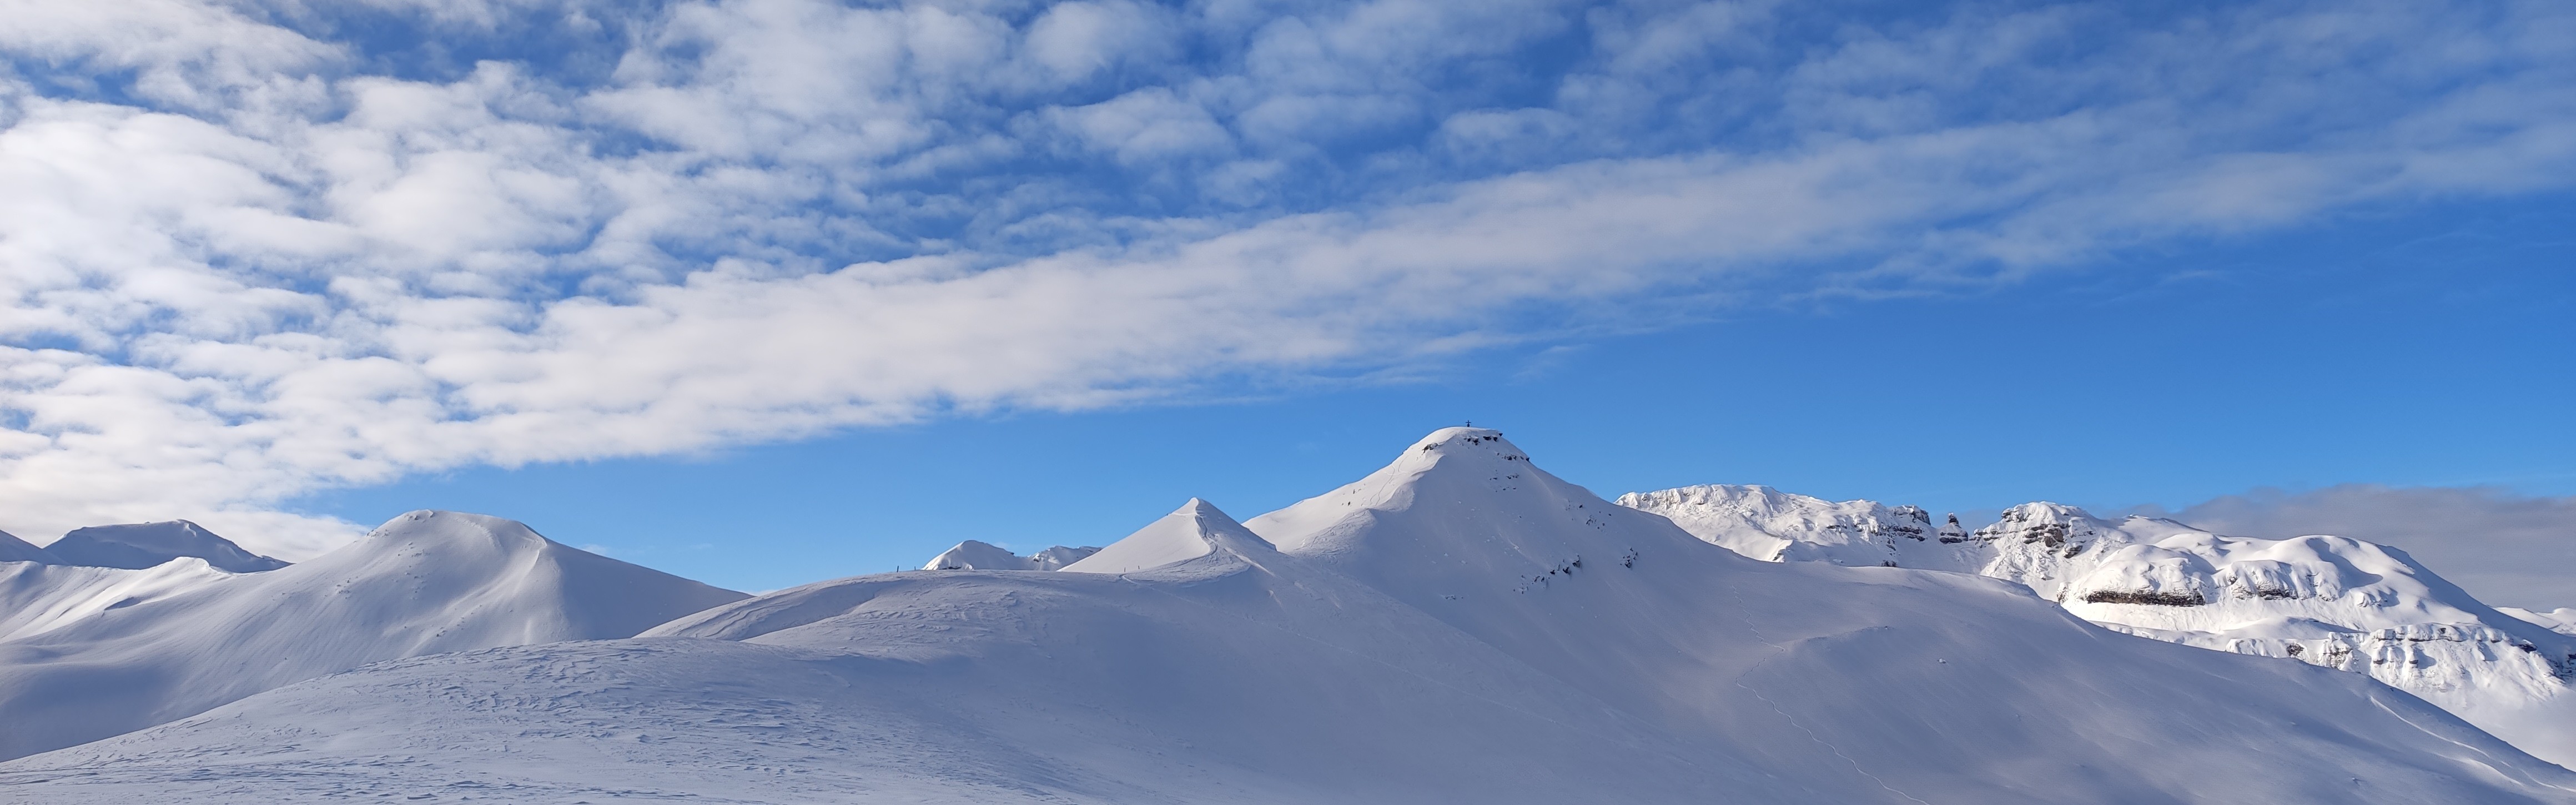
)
(13, 549)
(180, 638)
(979, 555)
(2561, 620)
(38, 597)
(135, 546)
(1459, 626)
(1751, 520)
(2328, 601)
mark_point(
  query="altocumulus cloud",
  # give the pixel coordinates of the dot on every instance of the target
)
(252, 248)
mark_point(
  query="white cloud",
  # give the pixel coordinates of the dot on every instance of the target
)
(1147, 125)
(778, 217)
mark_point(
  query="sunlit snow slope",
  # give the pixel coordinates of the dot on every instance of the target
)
(977, 555)
(1457, 627)
(2561, 620)
(176, 640)
(2330, 601)
(37, 598)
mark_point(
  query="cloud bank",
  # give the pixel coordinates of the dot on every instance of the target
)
(250, 249)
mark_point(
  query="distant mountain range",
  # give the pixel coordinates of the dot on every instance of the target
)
(1458, 626)
(2328, 601)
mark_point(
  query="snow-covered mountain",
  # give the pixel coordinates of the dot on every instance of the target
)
(1775, 526)
(2561, 620)
(2329, 601)
(13, 549)
(182, 637)
(136, 546)
(1456, 627)
(977, 555)
(37, 597)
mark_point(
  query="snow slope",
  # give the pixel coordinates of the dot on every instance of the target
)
(1457, 627)
(424, 583)
(2561, 620)
(976, 555)
(1194, 530)
(13, 549)
(136, 546)
(2329, 601)
(1775, 526)
(37, 598)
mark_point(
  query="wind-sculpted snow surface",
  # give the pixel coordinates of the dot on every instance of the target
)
(424, 583)
(1457, 627)
(2329, 601)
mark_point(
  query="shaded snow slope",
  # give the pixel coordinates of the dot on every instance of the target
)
(1457, 627)
(13, 549)
(977, 555)
(424, 583)
(2329, 601)
(135, 546)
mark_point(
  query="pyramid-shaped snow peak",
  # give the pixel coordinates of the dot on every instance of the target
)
(134, 546)
(1196, 529)
(424, 583)
(1464, 503)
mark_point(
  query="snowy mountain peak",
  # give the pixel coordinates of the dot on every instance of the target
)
(1468, 441)
(1457, 462)
(1194, 530)
(2051, 524)
(1465, 516)
(431, 536)
(1463, 450)
(135, 546)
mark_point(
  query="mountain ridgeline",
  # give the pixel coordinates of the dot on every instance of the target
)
(1458, 626)
(2329, 601)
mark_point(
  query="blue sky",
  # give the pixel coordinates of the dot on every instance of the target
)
(825, 286)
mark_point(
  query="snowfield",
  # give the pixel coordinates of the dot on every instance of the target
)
(1459, 626)
(2329, 601)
